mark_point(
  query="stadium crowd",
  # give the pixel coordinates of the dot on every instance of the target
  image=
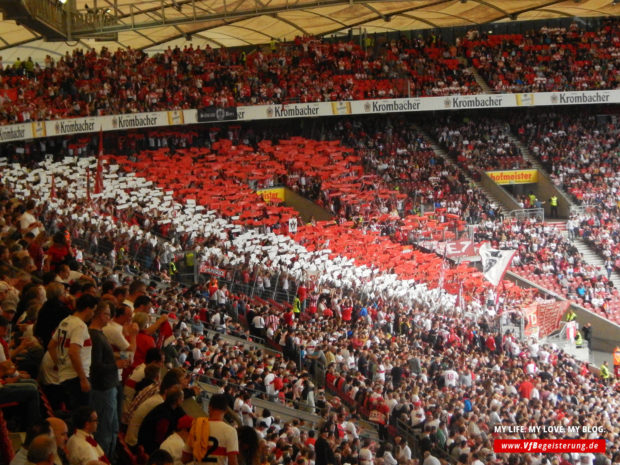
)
(580, 153)
(88, 83)
(549, 59)
(430, 381)
(479, 144)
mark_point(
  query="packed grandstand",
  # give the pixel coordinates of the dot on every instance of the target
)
(152, 277)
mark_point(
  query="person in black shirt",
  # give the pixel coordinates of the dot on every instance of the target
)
(324, 455)
(104, 380)
(161, 422)
(54, 310)
(587, 333)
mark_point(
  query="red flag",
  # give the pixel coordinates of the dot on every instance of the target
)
(99, 174)
(53, 189)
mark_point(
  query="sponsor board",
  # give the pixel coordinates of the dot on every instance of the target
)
(73, 126)
(514, 176)
(341, 108)
(275, 195)
(302, 110)
(392, 105)
(524, 100)
(580, 98)
(296, 111)
(138, 120)
(176, 117)
(207, 114)
(474, 101)
(38, 129)
(14, 132)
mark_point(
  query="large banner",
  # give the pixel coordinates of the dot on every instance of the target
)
(514, 176)
(156, 119)
(543, 317)
(550, 314)
(494, 262)
(530, 315)
(451, 249)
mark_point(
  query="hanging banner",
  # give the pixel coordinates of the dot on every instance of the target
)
(530, 315)
(494, 262)
(550, 314)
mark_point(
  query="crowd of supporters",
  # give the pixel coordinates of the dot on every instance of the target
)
(84, 83)
(549, 59)
(87, 83)
(479, 144)
(581, 155)
(387, 361)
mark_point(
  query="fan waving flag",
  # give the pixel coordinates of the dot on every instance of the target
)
(99, 173)
(495, 262)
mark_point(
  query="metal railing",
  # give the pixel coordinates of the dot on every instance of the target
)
(527, 213)
(49, 12)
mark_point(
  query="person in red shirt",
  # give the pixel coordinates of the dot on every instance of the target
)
(59, 251)
(526, 388)
(289, 317)
(490, 343)
(347, 311)
(144, 341)
(302, 294)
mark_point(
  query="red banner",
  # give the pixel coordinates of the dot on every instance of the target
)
(530, 314)
(207, 269)
(452, 249)
(550, 315)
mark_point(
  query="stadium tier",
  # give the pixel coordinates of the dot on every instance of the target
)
(152, 278)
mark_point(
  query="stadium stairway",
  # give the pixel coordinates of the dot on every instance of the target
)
(439, 151)
(590, 256)
(527, 155)
(593, 258)
(481, 82)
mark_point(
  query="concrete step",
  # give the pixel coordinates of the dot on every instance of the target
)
(592, 257)
(481, 82)
(439, 151)
(528, 156)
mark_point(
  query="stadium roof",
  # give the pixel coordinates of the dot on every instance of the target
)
(155, 24)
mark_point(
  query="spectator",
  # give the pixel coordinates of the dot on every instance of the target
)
(104, 380)
(224, 433)
(42, 450)
(176, 442)
(161, 422)
(70, 349)
(82, 447)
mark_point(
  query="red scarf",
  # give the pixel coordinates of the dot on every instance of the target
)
(92, 442)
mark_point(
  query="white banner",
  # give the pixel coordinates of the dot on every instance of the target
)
(156, 119)
(494, 262)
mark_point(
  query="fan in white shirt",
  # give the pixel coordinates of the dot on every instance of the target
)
(175, 443)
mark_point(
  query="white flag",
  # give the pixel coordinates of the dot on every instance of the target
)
(495, 262)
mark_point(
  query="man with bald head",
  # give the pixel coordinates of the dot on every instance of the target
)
(61, 435)
(42, 450)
